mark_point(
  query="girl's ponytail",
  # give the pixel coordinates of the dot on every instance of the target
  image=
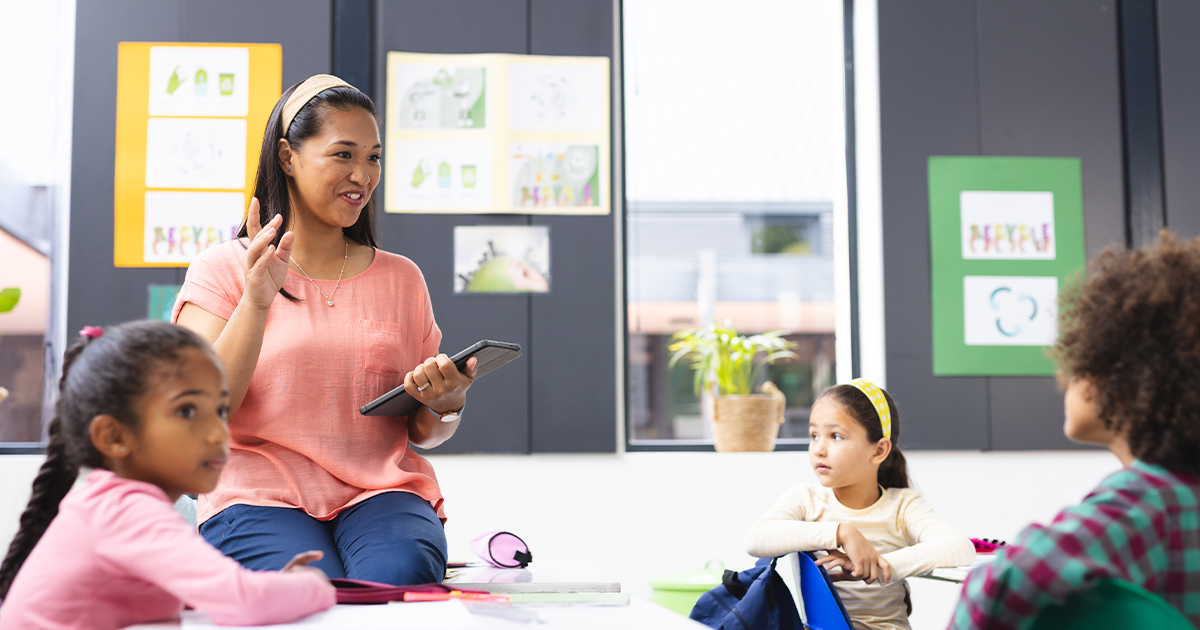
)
(893, 472)
(53, 481)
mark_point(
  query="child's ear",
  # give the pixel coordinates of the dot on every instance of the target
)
(882, 449)
(110, 437)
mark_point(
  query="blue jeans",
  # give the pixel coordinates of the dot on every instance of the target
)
(394, 538)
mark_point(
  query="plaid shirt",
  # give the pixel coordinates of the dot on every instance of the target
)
(1141, 525)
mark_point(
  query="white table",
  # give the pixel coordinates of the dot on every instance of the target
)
(554, 575)
(637, 615)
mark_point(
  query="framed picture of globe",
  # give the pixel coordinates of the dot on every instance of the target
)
(501, 259)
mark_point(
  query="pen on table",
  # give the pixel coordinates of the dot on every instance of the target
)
(441, 597)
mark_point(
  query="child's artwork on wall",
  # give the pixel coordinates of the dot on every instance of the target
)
(1005, 234)
(556, 97)
(1010, 310)
(442, 174)
(553, 175)
(199, 81)
(196, 153)
(492, 133)
(180, 225)
(502, 259)
(440, 97)
(189, 119)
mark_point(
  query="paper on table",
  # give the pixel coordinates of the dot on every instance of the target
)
(448, 615)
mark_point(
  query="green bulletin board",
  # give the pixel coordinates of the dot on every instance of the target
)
(1005, 234)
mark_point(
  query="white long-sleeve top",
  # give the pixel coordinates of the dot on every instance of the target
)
(899, 525)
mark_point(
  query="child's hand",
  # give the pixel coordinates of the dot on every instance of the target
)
(867, 564)
(300, 564)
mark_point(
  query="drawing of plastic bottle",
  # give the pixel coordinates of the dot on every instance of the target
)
(201, 82)
(444, 174)
(463, 92)
(468, 175)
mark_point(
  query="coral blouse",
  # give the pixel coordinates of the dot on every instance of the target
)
(298, 440)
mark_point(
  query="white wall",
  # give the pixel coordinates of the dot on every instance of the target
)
(640, 515)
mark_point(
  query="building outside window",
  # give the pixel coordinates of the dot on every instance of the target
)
(735, 184)
(36, 50)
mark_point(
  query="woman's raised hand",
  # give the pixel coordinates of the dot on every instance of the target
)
(266, 266)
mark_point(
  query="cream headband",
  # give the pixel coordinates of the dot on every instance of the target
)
(304, 93)
(875, 395)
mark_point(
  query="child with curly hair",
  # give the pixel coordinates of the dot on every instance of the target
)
(1129, 359)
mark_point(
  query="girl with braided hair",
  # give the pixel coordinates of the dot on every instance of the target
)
(144, 406)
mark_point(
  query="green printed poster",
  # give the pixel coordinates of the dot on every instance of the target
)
(162, 300)
(1005, 235)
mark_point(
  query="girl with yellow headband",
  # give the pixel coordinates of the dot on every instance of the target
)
(312, 320)
(874, 529)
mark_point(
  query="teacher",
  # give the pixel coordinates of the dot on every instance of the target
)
(312, 321)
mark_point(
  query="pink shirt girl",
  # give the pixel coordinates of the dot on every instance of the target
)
(118, 554)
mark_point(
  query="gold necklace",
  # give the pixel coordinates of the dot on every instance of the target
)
(345, 257)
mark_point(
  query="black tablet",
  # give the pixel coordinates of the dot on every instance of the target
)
(489, 354)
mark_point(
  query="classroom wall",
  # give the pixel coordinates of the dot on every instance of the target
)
(641, 515)
(1011, 78)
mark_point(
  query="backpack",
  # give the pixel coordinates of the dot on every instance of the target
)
(755, 599)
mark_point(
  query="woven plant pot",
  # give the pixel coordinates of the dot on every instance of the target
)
(746, 423)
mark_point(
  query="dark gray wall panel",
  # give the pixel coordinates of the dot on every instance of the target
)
(1179, 57)
(929, 105)
(97, 293)
(497, 418)
(303, 27)
(1027, 413)
(987, 78)
(574, 388)
(455, 26)
(572, 27)
(1049, 87)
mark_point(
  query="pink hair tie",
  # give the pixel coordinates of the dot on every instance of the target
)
(91, 332)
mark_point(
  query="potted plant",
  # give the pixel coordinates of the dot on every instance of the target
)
(727, 366)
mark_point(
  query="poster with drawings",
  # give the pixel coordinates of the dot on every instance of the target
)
(440, 97)
(497, 133)
(432, 174)
(556, 97)
(180, 225)
(196, 153)
(199, 81)
(501, 259)
(554, 175)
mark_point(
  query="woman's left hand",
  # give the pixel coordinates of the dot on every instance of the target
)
(439, 385)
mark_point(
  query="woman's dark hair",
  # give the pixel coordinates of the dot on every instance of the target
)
(271, 183)
(893, 472)
(1131, 326)
(105, 375)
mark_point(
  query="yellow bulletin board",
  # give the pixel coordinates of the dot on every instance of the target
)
(190, 121)
(494, 133)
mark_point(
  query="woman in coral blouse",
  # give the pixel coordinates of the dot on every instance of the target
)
(312, 321)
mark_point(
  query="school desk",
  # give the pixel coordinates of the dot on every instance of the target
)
(454, 615)
(551, 575)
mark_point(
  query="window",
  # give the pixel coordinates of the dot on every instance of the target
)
(734, 121)
(36, 51)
